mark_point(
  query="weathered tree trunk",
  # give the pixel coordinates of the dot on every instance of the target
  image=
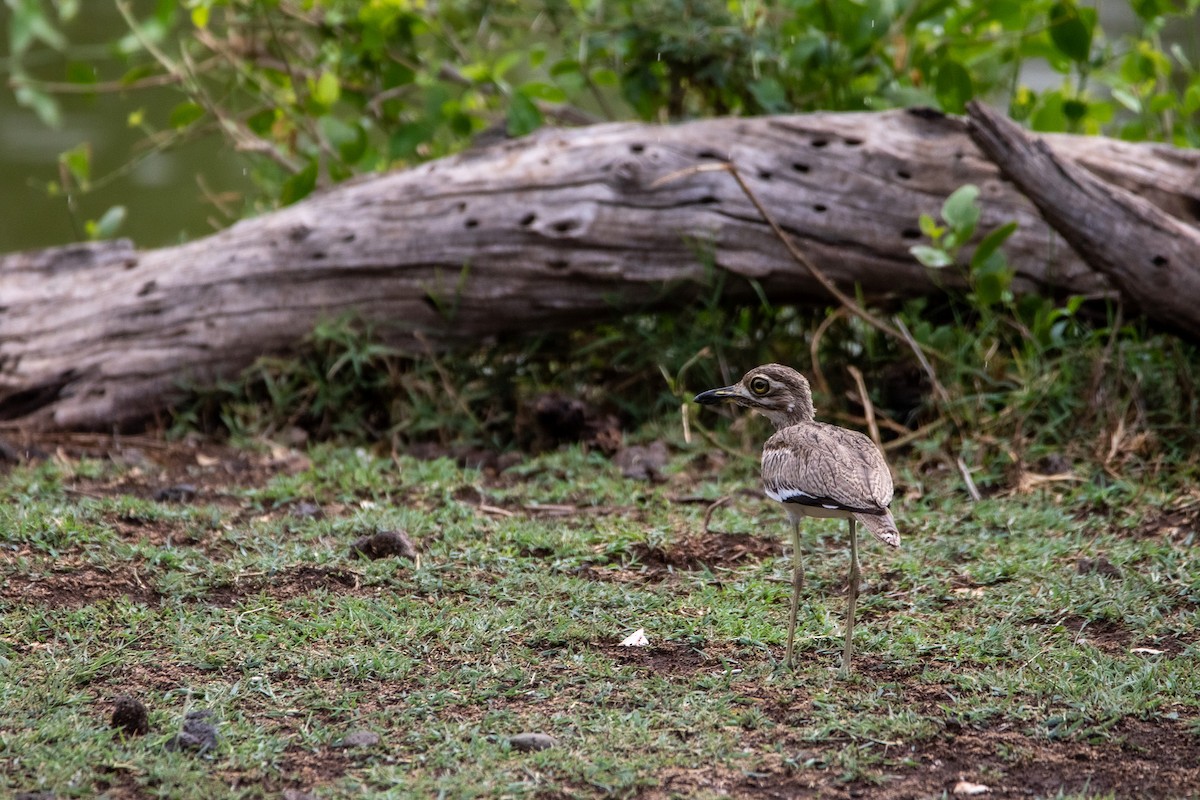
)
(560, 228)
(1151, 256)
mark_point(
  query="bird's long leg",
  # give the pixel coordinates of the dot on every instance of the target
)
(797, 585)
(855, 572)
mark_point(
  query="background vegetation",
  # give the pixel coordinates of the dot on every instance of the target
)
(316, 91)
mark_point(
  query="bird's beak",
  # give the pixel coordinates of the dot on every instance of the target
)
(723, 395)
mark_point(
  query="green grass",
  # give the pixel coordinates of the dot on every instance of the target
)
(981, 629)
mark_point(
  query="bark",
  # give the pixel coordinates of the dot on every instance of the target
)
(1152, 257)
(561, 228)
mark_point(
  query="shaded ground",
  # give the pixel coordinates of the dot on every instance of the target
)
(1129, 756)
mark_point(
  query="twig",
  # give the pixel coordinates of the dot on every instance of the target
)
(713, 507)
(972, 489)
(814, 346)
(942, 395)
(849, 303)
(868, 406)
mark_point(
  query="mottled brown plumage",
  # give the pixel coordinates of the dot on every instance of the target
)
(815, 470)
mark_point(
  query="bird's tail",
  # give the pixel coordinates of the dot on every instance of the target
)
(882, 525)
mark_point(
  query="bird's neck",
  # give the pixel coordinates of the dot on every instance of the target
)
(795, 413)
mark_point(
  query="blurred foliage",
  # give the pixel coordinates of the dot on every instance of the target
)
(314, 91)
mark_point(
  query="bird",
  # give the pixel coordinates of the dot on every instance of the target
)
(815, 470)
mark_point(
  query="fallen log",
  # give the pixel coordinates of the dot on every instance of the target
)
(1151, 256)
(561, 228)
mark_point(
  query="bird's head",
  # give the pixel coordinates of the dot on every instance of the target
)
(779, 393)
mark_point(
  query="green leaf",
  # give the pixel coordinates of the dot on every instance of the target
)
(43, 104)
(405, 139)
(1191, 99)
(961, 211)
(953, 87)
(1074, 110)
(300, 185)
(185, 114)
(770, 94)
(543, 91)
(1070, 30)
(605, 77)
(350, 140)
(326, 90)
(989, 288)
(78, 161)
(107, 226)
(929, 227)
(523, 115)
(932, 257)
(200, 16)
(1127, 99)
(81, 73)
(991, 244)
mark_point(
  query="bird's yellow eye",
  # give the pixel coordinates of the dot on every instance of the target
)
(760, 385)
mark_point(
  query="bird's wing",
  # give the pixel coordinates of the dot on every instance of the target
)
(826, 466)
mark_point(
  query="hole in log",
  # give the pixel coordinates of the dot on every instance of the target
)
(819, 208)
(903, 174)
(818, 143)
(147, 288)
(460, 207)
(471, 223)
(765, 175)
(1193, 205)
(707, 200)
(910, 233)
(317, 255)
(558, 264)
(528, 219)
(299, 233)
(636, 148)
(1159, 261)
(565, 225)
(801, 168)
(432, 304)
(710, 154)
(852, 142)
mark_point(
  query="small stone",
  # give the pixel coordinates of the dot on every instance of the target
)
(179, 493)
(643, 463)
(197, 733)
(1097, 566)
(528, 742)
(306, 510)
(296, 794)
(383, 545)
(361, 739)
(129, 716)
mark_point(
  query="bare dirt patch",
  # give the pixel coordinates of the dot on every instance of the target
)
(1141, 760)
(81, 586)
(288, 584)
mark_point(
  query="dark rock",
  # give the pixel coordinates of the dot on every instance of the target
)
(1097, 566)
(197, 734)
(129, 716)
(384, 545)
(306, 510)
(180, 493)
(528, 742)
(643, 463)
(361, 739)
